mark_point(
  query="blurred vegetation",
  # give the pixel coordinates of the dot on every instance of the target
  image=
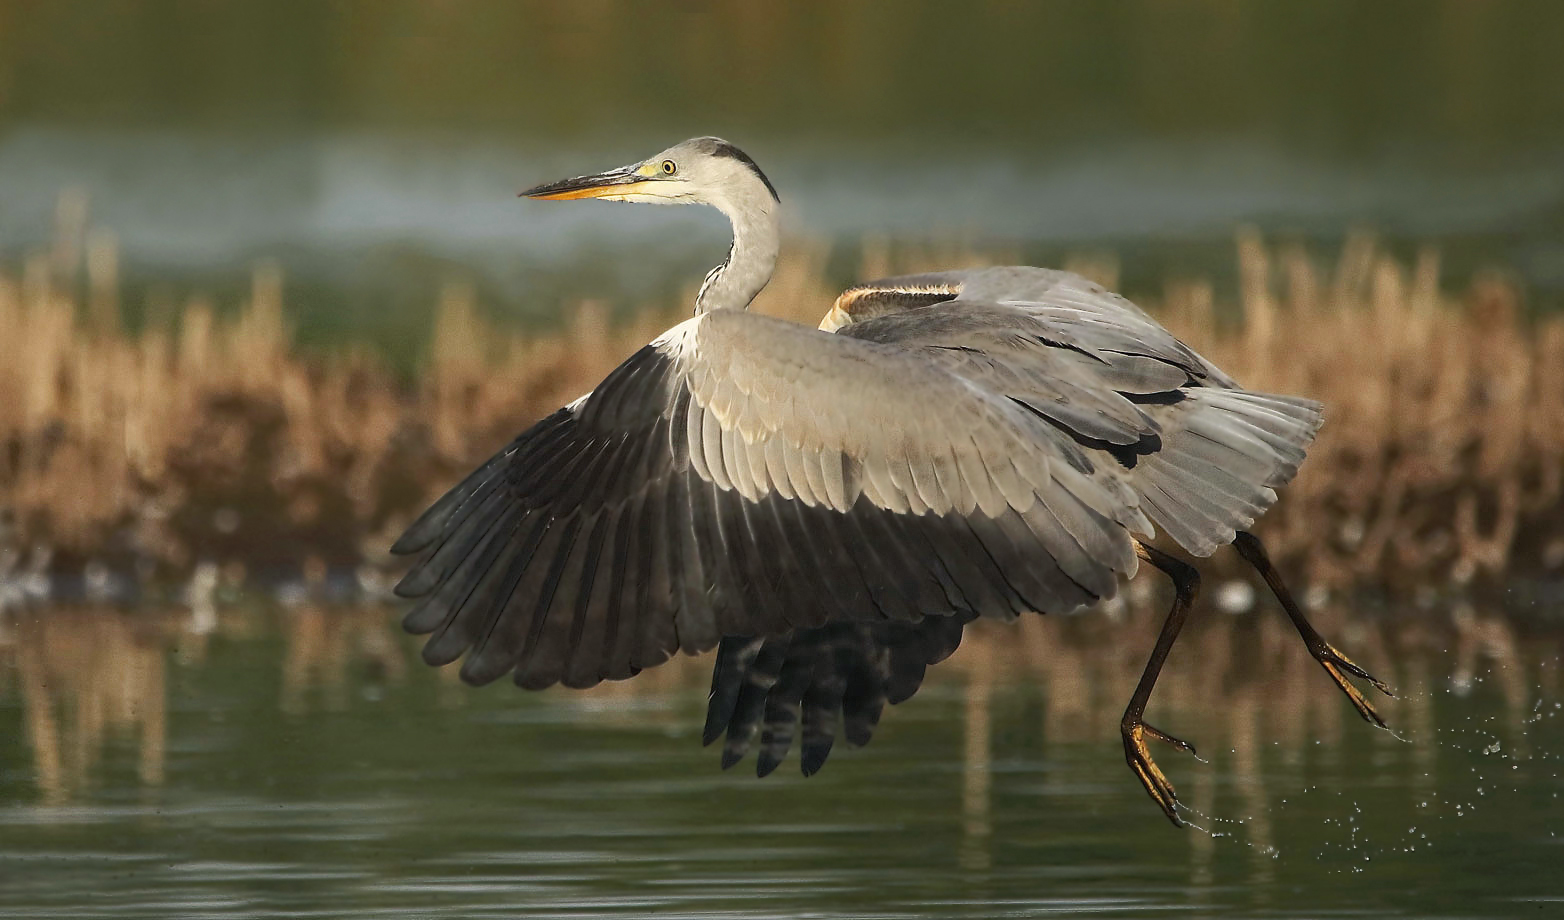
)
(1328, 72)
(372, 147)
(205, 439)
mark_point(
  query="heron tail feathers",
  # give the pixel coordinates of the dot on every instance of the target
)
(1224, 453)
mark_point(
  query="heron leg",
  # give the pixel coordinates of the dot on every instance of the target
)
(1186, 581)
(1332, 660)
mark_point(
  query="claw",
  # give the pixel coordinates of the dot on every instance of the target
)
(1165, 738)
(1351, 667)
(1334, 663)
(1146, 769)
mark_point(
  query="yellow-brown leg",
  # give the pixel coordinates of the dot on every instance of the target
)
(1186, 581)
(1332, 660)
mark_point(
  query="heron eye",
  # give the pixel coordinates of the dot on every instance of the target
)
(669, 168)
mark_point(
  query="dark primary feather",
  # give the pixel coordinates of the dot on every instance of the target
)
(834, 677)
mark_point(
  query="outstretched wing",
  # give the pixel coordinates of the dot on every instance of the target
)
(744, 476)
(1203, 455)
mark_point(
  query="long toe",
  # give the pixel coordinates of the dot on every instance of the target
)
(1146, 769)
(1338, 666)
(1347, 664)
(1153, 732)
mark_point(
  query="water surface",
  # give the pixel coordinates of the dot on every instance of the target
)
(300, 762)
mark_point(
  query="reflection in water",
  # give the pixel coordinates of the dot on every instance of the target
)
(84, 676)
(1036, 766)
(324, 644)
(87, 674)
(976, 800)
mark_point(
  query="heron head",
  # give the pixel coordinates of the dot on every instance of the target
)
(702, 170)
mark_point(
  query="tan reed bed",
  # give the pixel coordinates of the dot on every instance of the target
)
(1443, 446)
(213, 439)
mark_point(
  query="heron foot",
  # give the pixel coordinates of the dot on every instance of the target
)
(1335, 663)
(1146, 770)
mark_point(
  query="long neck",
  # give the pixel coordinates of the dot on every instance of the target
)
(756, 241)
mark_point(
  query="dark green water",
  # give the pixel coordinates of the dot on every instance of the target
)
(301, 763)
(373, 149)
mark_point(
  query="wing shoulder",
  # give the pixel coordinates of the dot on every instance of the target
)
(891, 295)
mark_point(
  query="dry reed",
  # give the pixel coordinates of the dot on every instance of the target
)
(213, 439)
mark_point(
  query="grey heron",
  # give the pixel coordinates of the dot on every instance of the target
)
(830, 507)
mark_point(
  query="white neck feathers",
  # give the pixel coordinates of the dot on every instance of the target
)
(757, 239)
